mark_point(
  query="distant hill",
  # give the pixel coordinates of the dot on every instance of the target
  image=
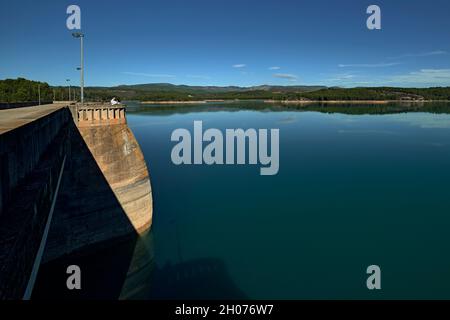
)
(217, 89)
(167, 91)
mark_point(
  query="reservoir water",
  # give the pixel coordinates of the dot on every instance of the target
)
(358, 185)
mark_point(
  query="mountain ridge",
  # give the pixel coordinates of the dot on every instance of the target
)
(183, 87)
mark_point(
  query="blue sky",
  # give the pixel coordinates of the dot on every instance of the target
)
(229, 42)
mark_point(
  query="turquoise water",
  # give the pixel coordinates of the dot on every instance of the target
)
(366, 185)
(357, 186)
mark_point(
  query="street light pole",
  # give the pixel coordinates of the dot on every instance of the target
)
(82, 70)
(68, 81)
(39, 93)
(81, 36)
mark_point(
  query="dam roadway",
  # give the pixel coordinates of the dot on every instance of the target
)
(12, 119)
(71, 177)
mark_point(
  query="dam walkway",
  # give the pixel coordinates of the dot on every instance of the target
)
(11, 119)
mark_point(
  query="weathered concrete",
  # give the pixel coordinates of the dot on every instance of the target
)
(96, 114)
(12, 119)
(122, 163)
(105, 188)
(105, 192)
(25, 134)
(32, 155)
(12, 105)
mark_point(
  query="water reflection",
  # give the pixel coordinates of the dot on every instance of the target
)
(424, 120)
(344, 108)
(277, 238)
(206, 278)
(127, 270)
(114, 270)
(358, 183)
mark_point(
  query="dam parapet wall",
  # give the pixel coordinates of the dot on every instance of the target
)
(98, 114)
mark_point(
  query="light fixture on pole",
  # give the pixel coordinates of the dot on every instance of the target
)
(81, 68)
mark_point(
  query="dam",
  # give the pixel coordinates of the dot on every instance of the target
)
(71, 177)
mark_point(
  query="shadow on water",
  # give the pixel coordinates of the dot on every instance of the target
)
(123, 268)
(87, 211)
(118, 270)
(206, 278)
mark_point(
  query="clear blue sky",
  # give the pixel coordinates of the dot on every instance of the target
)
(228, 42)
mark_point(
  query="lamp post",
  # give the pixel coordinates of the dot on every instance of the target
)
(68, 81)
(81, 36)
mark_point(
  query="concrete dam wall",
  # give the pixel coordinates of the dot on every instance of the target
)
(33, 147)
(103, 192)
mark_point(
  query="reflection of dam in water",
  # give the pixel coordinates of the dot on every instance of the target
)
(119, 270)
(206, 278)
(67, 187)
(127, 270)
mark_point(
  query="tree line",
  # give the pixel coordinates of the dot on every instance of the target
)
(23, 90)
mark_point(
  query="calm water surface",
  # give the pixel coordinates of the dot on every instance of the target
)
(355, 187)
(352, 190)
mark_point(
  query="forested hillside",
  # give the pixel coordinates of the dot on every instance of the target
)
(22, 90)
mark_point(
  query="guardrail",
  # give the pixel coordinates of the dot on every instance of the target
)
(12, 105)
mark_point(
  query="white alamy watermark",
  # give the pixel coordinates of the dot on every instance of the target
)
(374, 20)
(73, 282)
(374, 280)
(73, 21)
(195, 151)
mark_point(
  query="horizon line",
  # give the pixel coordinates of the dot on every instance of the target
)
(229, 85)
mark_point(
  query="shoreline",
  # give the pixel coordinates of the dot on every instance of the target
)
(182, 101)
(351, 101)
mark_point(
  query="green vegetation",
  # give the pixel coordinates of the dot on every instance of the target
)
(342, 108)
(166, 92)
(169, 92)
(22, 90)
(378, 93)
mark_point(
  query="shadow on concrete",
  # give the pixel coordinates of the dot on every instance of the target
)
(122, 268)
(87, 211)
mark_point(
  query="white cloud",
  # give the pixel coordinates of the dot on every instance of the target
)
(287, 76)
(424, 120)
(198, 76)
(423, 54)
(369, 65)
(152, 75)
(240, 65)
(275, 68)
(341, 77)
(430, 77)
(419, 78)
